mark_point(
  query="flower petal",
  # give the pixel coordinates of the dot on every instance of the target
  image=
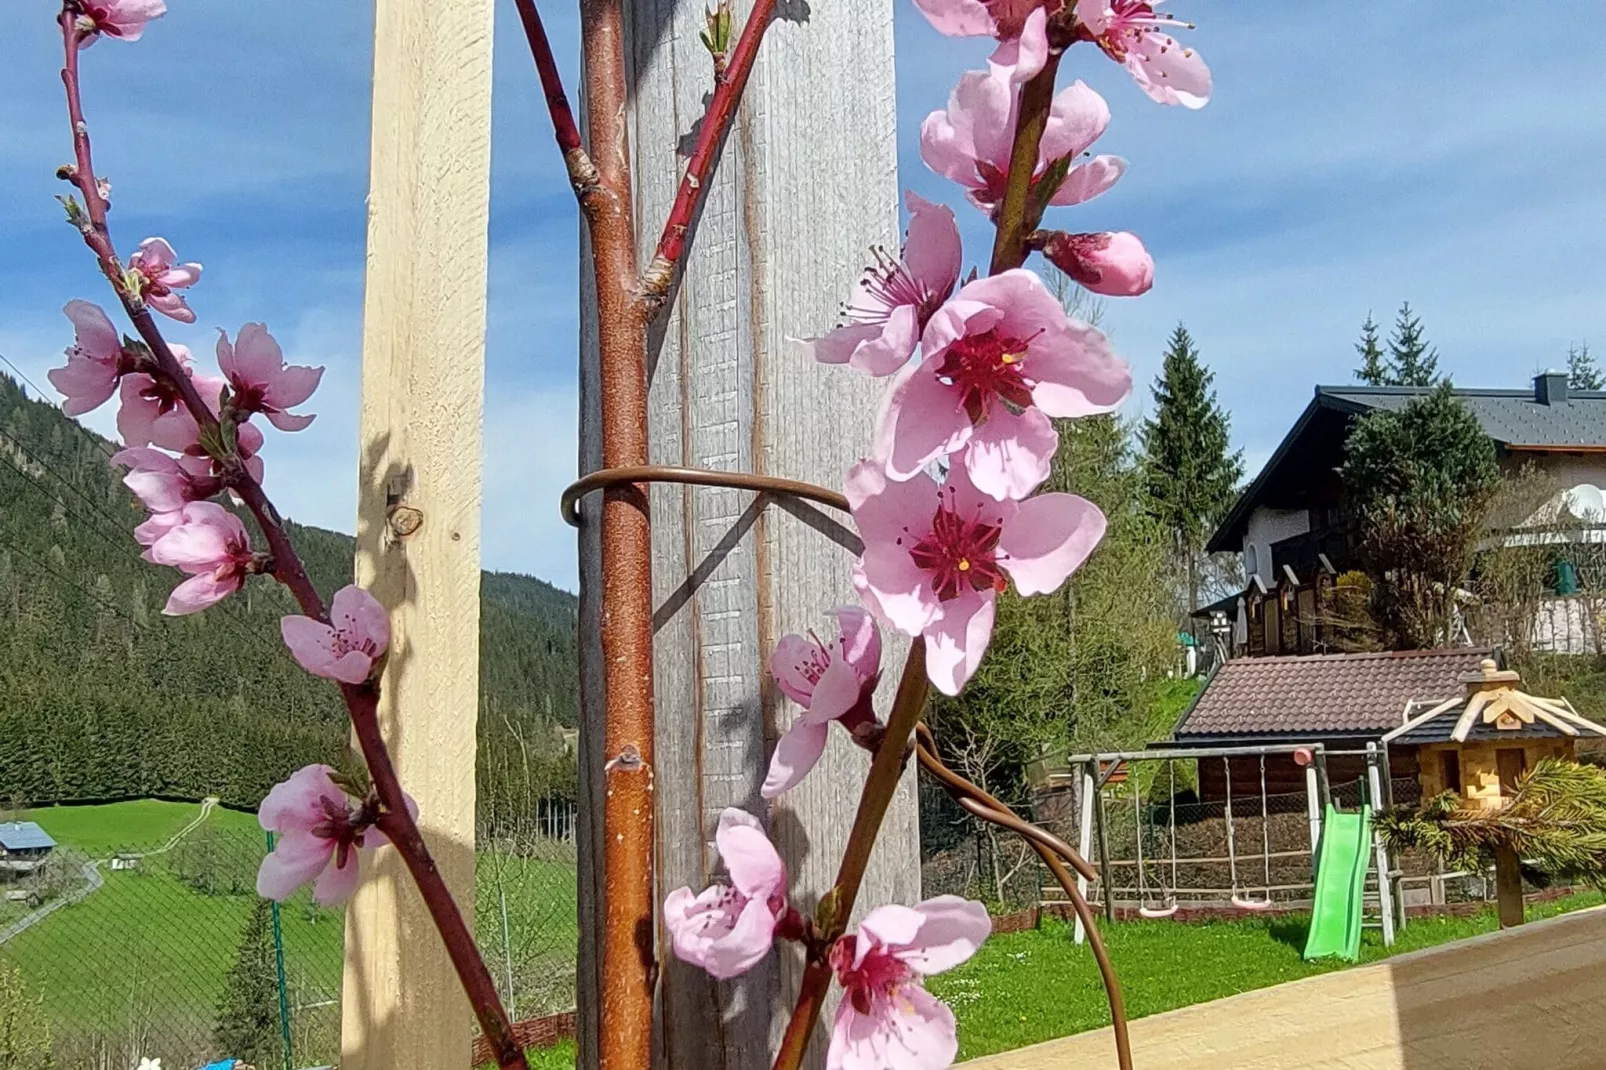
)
(1088, 180)
(836, 693)
(951, 930)
(1076, 119)
(922, 418)
(956, 643)
(297, 858)
(1077, 372)
(796, 752)
(1048, 539)
(861, 640)
(786, 665)
(336, 883)
(1011, 454)
(932, 249)
(755, 866)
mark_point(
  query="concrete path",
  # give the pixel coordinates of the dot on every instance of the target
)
(1525, 997)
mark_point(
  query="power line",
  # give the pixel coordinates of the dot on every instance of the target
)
(119, 545)
(73, 584)
(90, 436)
(69, 484)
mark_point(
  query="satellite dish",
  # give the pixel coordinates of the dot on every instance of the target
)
(1586, 502)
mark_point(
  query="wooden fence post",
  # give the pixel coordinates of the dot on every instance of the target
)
(807, 183)
(419, 505)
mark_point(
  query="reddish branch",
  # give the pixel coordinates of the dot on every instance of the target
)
(582, 173)
(627, 939)
(729, 85)
(362, 702)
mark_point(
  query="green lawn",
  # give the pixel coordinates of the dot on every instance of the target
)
(150, 950)
(1024, 988)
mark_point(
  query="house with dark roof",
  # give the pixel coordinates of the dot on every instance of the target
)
(1342, 701)
(24, 846)
(1296, 531)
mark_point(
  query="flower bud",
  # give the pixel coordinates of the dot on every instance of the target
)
(1114, 264)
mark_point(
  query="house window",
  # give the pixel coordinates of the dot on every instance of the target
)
(1450, 770)
(1251, 560)
(1512, 763)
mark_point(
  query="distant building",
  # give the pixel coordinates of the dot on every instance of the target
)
(1296, 529)
(24, 846)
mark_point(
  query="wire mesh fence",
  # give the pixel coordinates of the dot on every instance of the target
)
(118, 947)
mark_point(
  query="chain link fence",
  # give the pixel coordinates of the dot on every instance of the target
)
(120, 945)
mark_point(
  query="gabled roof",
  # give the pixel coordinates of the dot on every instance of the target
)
(1516, 419)
(23, 835)
(1323, 694)
(1492, 707)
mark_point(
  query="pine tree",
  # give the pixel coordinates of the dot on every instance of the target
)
(247, 1026)
(1191, 474)
(1374, 369)
(1582, 371)
(1412, 362)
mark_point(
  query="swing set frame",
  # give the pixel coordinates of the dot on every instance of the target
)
(1092, 774)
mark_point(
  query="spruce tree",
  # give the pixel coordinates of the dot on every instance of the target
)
(1412, 362)
(247, 1026)
(1374, 369)
(1192, 476)
(1582, 371)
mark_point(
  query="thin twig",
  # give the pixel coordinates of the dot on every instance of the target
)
(361, 701)
(582, 172)
(1013, 218)
(716, 122)
(886, 769)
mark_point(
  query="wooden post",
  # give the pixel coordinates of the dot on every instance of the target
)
(806, 185)
(418, 512)
(1508, 887)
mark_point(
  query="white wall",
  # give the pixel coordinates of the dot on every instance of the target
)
(1265, 527)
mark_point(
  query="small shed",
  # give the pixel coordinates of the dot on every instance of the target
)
(23, 846)
(1479, 743)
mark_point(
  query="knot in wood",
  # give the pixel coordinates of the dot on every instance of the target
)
(405, 520)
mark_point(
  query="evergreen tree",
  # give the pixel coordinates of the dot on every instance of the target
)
(1374, 369)
(1582, 371)
(1412, 362)
(248, 1012)
(1192, 477)
(1422, 479)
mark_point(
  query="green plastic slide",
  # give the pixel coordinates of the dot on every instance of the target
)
(1335, 922)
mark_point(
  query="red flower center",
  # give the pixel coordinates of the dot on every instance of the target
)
(878, 975)
(985, 367)
(960, 553)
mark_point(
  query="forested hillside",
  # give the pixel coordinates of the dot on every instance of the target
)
(103, 697)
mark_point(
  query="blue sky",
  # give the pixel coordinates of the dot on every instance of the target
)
(1355, 155)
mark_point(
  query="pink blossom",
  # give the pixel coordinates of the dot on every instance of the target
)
(94, 360)
(210, 544)
(150, 409)
(118, 18)
(320, 832)
(160, 275)
(935, 557)
(727, 929)
(971, 141)
(1113, 264)
(347, 647)
(160, 482)
(1000, 359)
(1021, 27)
(248, 441)
(887, 1018)
(1133, 34)
(895, 298)
(832, 682)
(262, 381)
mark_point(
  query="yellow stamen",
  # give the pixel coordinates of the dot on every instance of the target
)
(1010, 358)
(964, 564)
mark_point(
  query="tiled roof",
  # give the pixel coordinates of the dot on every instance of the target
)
(22, 835)
(1311, 695)
(1510, 417)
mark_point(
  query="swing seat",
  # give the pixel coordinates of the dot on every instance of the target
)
(1167, 910)
(1245, 903)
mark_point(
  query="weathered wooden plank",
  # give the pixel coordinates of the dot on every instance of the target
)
(807, 183)
(1517, 998)
(418, 543)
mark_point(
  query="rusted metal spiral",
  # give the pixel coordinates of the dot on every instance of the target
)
(1055, 853)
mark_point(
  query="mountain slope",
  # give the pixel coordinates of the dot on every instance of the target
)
(103, 697)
